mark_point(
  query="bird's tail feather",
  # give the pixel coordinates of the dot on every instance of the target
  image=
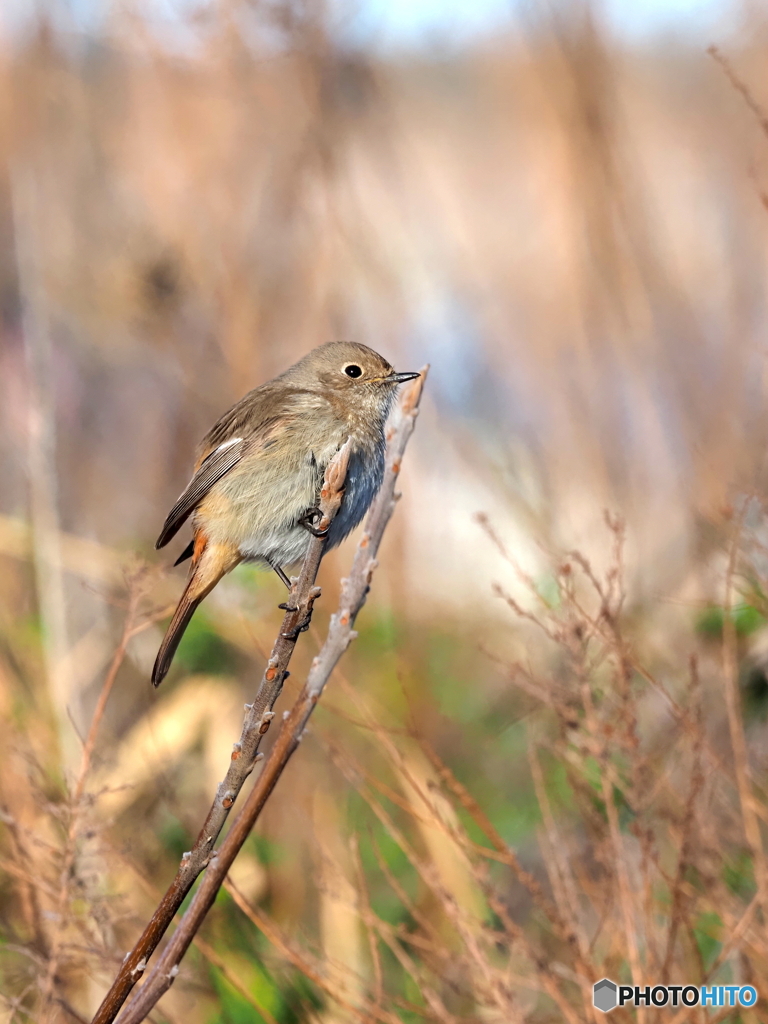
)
(181, 617)
(209, 563)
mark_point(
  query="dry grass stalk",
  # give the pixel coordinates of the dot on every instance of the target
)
(630, 870)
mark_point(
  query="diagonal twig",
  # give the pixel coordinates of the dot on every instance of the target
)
(340, 634)
(244, 753)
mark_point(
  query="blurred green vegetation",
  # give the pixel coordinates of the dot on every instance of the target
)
(745, 617)
(204, 650)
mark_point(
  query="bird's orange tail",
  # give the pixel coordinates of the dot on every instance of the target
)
(210, 562)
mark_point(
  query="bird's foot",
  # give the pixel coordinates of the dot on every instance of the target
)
(308, 520)
(301, 628)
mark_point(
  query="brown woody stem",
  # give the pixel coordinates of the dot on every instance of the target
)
(258, 718)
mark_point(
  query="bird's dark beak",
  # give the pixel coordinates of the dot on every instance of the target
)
(400, 378)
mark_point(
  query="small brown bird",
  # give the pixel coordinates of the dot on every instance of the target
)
(259, 470)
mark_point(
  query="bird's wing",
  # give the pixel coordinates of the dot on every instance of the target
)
(254, 423)
(212, 468)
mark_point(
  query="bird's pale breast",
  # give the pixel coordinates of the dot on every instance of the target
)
(258, 505)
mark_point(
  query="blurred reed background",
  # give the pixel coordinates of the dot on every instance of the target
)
(536, 768)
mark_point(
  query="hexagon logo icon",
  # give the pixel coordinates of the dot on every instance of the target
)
(604, 995)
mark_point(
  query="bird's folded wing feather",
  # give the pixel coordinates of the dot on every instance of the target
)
(254, 423)
(213, 468)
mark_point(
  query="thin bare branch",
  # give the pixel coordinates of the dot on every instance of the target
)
(340, 635)
(257, 721)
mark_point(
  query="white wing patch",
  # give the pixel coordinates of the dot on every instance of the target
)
(212, 468)
(228, 444)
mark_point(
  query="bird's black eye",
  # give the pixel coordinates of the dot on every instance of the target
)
(353, 370)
